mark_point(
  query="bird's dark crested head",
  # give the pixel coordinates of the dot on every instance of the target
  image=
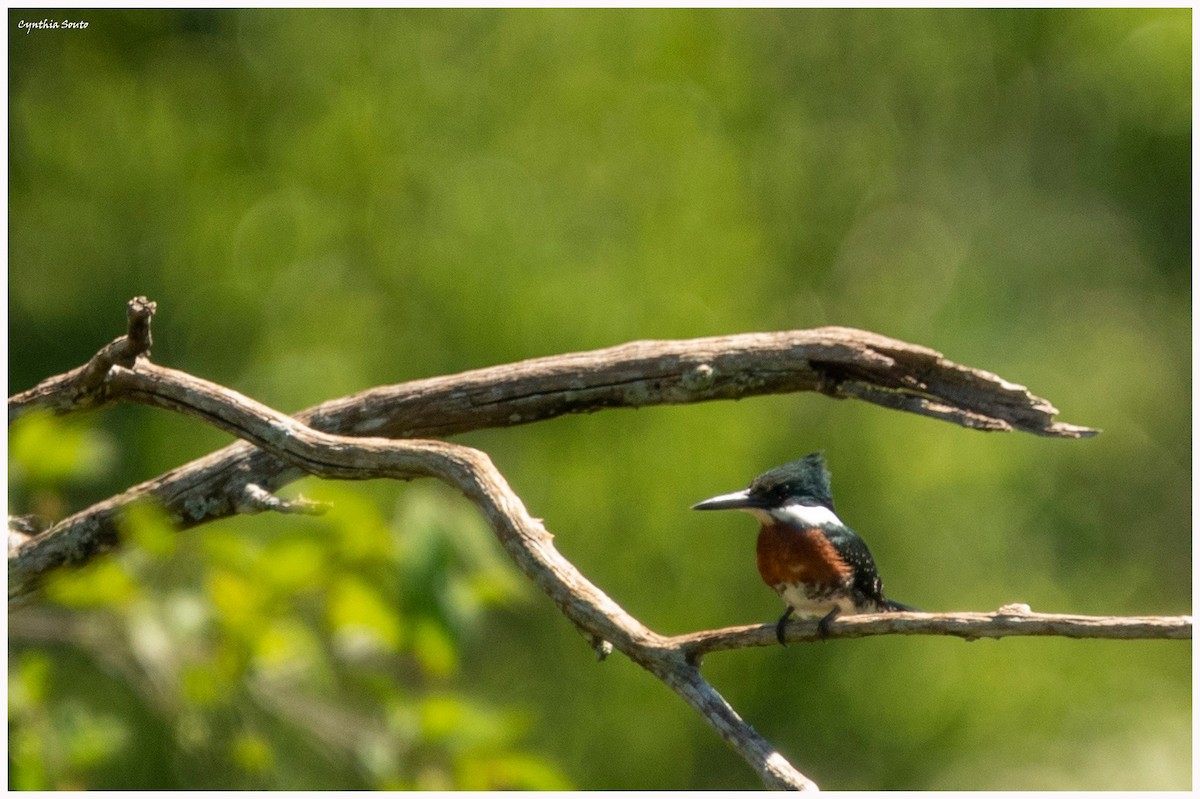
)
(804, 481)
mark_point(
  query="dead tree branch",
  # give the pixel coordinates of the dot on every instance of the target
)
(1008, 621)
(840, 362)
(83, 387)
(241, 478)
(472, 472)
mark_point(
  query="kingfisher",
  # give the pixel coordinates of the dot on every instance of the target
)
(806, 554)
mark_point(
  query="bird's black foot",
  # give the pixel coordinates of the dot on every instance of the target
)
(779, 625)
(823, 624)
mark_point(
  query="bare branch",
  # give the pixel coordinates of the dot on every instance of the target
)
(84, 387)
(472, 472)
(256, 499)
(21, 529)
(837, 361)
(840, 362)
(1004, 623)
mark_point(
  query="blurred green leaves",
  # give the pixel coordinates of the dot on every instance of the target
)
(343, 633)
(55, 742)
(50, 450)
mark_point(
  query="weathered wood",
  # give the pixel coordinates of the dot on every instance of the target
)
(525, 538)
(839, 362)
(1007, 622)
(278, 448)
(83, 387)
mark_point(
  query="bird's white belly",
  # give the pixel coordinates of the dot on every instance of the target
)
(805, 603)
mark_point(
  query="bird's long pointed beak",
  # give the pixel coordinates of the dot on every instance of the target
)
(736, 500)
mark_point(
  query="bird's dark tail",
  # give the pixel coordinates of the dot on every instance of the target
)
(891, 606)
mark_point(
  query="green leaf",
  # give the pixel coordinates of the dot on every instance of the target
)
(149, 529)
(29, 682)
(252, 753)
(105, 582)
(44, 449)
(93, 739)
(510, 772)
(362, 622)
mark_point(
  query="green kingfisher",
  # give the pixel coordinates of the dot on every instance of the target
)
(817, 565)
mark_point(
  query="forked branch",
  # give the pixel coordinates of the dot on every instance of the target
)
(330, 441)
(840, 362)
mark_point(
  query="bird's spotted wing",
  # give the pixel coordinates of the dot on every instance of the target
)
(857, 556)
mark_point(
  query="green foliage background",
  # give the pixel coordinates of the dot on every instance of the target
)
(322, 201)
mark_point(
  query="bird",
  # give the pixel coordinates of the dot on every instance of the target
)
(806, 554)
